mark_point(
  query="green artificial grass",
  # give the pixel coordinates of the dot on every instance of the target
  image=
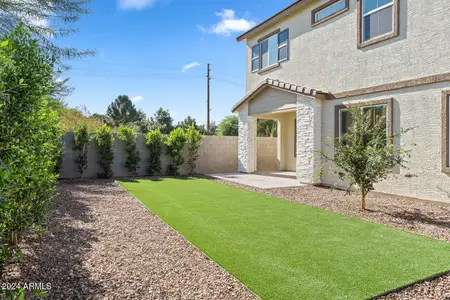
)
(285, 250)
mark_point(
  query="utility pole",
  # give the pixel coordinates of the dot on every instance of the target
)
(208, 82)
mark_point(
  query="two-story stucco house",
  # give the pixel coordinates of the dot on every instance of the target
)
(307, 63)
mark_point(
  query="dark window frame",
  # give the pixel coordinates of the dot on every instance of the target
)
(395, 26)
(263, 39)
(389, 114)
(324, 6)
(445, 117)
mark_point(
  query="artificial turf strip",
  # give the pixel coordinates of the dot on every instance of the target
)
(285, 250)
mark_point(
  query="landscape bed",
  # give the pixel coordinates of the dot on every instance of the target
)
(278, 248)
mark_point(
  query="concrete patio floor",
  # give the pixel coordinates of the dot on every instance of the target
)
(263, 180)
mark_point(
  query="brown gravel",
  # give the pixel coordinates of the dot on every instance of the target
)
(422, 217)
(103, 244)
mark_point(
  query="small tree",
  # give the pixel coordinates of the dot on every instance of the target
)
(81, 141)
(128, 135)
(105, 139)
(194, 140)
(365, 154)
(155, 142)
(175, 144)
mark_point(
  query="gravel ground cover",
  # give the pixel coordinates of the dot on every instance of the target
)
(279, 248)
(421, 217)
(103, 244)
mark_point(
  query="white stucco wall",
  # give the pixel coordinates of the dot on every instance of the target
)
(326, 57)
(272, 100)
(418, 108)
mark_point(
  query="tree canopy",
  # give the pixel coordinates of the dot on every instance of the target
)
(47, 19)
(161, 120)
(122, 111)
(229, 126)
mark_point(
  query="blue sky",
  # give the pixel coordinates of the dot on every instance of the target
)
(143, 45)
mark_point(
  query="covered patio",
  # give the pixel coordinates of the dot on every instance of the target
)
(262, 180)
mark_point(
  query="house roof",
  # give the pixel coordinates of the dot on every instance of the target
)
(282, 13)
(288, 87)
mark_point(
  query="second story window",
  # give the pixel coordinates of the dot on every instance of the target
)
(270, 51)
(377, 18)
(329, 10)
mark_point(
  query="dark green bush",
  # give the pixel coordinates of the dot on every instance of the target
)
(105, 140)
(155, 142)
(81, 142)
(175, 143)
(194, 140)
(128, 135)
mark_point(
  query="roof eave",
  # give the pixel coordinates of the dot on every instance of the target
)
(270, 20)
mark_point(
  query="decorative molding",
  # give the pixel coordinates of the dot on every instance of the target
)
(389, 113)
(445, 131)
(329, 3)
(395, 32)
(392, 86)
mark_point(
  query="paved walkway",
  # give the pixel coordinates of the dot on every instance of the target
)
(261, 180)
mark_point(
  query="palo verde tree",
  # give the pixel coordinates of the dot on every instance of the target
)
(128, 136)
(30, 137)
(175, 143)
(194, 140)
(365, 154)
(105, 139)
(80, 142)
(155, 143)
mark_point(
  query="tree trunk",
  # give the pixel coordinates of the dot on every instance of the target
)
(363, 201)
(14, 238)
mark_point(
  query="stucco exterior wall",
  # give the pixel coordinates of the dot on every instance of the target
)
(418, 108)
(286, 134)
(217, 154)
(272, 100)
(326, 57)
(267, 154)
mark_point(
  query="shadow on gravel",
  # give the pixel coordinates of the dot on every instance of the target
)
(57, 257)
(421, 217)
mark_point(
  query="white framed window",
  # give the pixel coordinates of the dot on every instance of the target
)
(283, 45)
(255, 58)
(270, 51)
(329, 10)
(377, 18)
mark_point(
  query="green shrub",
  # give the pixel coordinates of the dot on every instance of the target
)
(105, 140)
(194, 140)
(175, 144)
(30, 137)
(81, 141)
(128, 135)
(155, 142)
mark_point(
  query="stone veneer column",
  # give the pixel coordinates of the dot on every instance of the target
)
(309, 138)
(247, 142)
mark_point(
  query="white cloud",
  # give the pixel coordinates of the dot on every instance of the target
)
(137, 98)
(190, 66)
(135, 4)
(228, 24)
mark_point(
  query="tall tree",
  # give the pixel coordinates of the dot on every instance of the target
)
(122, 111)
(188, 122)
(162, 120)
(229, 126)
(267, 128)
(47, 19)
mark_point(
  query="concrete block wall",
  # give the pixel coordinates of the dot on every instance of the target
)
(217, 154)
